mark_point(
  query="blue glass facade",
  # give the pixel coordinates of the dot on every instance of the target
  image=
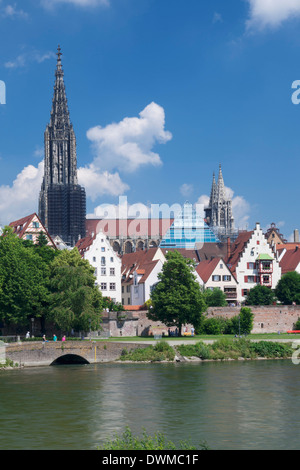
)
(189, 228)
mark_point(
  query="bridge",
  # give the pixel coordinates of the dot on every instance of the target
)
(32, 354)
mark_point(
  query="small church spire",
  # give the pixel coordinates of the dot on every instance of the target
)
(221, 186)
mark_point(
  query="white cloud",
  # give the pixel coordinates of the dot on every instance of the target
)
(99, 183)
(128, 145)
(186, 189)
(77, 3)
(29, 57)
(21, 198)
(11, 11)
(271, 13)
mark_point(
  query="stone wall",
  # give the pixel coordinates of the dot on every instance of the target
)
(268, 319)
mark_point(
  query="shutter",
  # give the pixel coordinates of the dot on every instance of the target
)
(246, 278)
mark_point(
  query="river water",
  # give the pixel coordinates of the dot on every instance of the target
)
(232, 406)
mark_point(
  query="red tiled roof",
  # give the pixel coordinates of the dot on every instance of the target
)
(237, 248)
(153, 228)
(290, 260)
(206, 268)
(137, 261)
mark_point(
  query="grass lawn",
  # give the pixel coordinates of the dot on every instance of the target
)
(258, 336)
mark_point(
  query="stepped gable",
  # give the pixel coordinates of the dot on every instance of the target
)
(237, 249)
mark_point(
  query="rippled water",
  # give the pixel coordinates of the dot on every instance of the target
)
(234, 405)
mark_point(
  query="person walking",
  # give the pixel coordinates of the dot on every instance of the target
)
(54, 338)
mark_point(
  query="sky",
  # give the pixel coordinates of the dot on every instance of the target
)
(160, 94)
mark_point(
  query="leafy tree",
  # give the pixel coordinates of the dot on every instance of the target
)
(177, 299)
(288, 288)
(215, 298)
(23, 280)
(260, 295)
(246, 320)
(75, 300)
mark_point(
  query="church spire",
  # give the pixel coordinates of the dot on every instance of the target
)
(60, 117)
(221, 186)
(213, 193)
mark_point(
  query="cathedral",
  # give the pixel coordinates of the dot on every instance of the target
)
(218, 214)
(62, 201)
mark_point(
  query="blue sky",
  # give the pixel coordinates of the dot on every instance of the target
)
(160, 93)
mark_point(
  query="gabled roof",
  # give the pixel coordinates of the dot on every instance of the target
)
(22, 226)
(290, 260)
(206, 268)
(142, 261)
(84, 244)
(237, 249)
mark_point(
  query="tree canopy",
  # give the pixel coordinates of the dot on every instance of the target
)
(75, 301)
(23, 280)
(260, 295)
(177, 299)
(288, 288)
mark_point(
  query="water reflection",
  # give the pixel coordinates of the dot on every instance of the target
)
(244, 405)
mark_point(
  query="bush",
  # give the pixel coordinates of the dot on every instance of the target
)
(127, 441)
(162, 351)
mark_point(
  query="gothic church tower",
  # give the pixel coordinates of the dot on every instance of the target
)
(219, 211)
(62, 202)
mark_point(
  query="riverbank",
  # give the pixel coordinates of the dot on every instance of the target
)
(223, 349)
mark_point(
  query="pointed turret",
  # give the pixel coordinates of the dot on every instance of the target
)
(221, 187)
(213, 193)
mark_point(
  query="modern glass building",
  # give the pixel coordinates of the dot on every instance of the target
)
(188, 228)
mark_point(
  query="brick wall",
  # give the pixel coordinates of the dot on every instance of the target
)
(269, 319)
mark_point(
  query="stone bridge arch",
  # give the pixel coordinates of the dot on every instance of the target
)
(33, 354)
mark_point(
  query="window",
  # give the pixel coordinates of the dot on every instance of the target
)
(112, 286)
(111, 259)
(96, 272)
(226, 278)
(28, 237)
(251, 279)
(102, 249)
(103, 286)
(103, 271)
(266, 279)
(94, 259)
(127, 288)
(216, 278)
(221, 266)
(251, 265)
(112, 271)
(122, 289)
(245, 292)
(103, 261)
(35, 224)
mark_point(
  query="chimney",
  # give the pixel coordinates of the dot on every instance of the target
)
(296, 236)
(228, 247)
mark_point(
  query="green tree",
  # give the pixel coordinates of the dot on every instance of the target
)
(177, 299)
(288, 288)
(75, 300)
(215, 298)
(23, 281)
(246, 320)
(260, 295)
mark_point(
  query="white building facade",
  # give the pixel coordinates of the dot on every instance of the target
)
(257, 264)
(107, 265)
